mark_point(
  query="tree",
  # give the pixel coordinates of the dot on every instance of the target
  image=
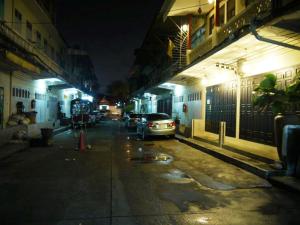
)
(119, 90)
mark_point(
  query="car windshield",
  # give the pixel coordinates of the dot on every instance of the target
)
(158, 117)
(134, 115)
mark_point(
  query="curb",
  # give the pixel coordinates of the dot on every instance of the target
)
(6, 155)
(27, 145)
(276, 178)
(243, 165)
(61, 129)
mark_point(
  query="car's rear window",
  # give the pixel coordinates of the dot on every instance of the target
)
(158, 117)
(134, 115)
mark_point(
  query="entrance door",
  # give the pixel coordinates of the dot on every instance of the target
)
(221, 106)
(165, 105)
(1, 106)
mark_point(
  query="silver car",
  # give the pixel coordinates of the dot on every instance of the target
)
(131, 120)
(156, 124)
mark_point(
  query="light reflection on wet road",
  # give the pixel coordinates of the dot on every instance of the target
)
(125, 181)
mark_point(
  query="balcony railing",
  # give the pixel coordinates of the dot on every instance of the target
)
(254, 10)
(38, 54)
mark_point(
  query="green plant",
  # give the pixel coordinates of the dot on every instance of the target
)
(269, 96)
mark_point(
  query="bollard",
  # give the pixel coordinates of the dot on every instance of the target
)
(81, 141)
(222, 133)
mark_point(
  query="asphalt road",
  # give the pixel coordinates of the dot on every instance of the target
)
(122, 180)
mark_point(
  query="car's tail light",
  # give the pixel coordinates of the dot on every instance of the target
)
(149, 124)
(172, 124)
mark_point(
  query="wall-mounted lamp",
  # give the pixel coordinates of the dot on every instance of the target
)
(185, 28)
(243, 68)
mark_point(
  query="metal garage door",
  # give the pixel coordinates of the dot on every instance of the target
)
(221, 106)
(254, 125)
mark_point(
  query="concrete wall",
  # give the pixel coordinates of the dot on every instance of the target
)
(31, 12)
(5, 83)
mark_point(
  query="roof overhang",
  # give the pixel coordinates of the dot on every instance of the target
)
(191, 7)
(248, 55)
(60, 86)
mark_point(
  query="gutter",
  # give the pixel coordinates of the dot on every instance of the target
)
(271, 41)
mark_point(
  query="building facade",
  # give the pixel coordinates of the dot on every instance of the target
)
(229, 46)
(34, 68)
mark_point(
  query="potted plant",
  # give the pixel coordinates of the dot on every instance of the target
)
(283, 104)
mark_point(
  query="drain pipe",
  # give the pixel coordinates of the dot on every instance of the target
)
(271, 41)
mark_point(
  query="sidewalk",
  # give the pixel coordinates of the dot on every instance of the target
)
(11, 148)
(263, 166)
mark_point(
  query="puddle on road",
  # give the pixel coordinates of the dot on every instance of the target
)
(151, 157)
(177, 176)
(185, 192)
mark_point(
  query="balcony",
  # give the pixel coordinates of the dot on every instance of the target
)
(254, 10)
(39, 55)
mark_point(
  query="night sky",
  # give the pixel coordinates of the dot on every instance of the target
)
(109, 30)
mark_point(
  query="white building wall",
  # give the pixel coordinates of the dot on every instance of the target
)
(192, 97)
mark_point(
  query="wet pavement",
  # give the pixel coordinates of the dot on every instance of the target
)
(122, 180)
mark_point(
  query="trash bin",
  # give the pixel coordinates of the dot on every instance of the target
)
(290, 149)
(47, 136)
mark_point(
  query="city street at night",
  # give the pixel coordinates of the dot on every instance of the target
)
(173, 112)
(122, 180)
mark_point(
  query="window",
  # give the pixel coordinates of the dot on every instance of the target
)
(222, 15)
(38, 39)
(211, 24)
(29, 31)
(18, 21)
(230, 9)
(198, 37)
(157, 116)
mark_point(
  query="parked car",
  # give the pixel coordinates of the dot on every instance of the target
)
(155, 124)
(131, 120)
(103, 114)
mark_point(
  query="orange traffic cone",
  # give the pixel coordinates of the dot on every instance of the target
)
(81, 142)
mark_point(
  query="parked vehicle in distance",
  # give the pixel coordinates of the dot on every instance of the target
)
(155, 124)
(97, 115)
(81, 113)
(131, 120)
(103, 114)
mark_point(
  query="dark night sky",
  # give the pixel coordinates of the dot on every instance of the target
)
(109, 30)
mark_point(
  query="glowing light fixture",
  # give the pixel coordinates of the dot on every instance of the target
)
(185, 28)
(210, 1)
(87, 97)
(245, 68)
(204, 81)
